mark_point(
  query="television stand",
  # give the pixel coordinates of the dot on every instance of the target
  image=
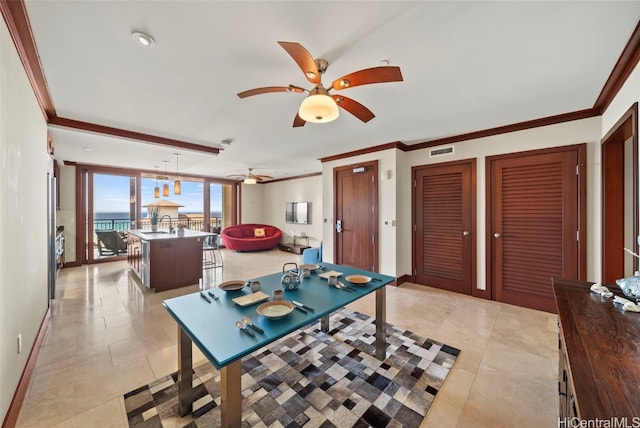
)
(293, 247)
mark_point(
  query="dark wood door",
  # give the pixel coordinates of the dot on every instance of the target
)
(356, 216)
(535, 211)
(620, 197)
(444, 219)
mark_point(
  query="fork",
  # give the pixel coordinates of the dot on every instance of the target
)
(341, 286)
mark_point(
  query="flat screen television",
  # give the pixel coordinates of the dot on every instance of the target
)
(297, 212)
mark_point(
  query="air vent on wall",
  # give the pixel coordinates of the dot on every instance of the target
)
(441, 152)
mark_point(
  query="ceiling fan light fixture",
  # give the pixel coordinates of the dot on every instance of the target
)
(250, 180)
(318, 107)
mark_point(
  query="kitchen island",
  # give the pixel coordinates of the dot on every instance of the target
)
(163, 260)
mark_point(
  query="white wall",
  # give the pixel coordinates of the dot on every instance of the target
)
(628, 94)
(24, 163)
(252, 203)
(395, 194)
(277, 194)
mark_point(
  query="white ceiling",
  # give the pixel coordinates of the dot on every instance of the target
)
(467, 66)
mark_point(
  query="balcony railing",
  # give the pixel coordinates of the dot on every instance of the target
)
(122, 225)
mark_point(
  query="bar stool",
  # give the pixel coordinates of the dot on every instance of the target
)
(211, 254)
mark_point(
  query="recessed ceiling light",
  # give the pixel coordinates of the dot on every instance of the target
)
(143, 38)
(227, 141)
(86, 148)
(385, 62)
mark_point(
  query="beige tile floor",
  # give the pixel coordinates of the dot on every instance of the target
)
(108, 335)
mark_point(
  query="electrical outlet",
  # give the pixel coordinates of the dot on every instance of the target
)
(20, 343)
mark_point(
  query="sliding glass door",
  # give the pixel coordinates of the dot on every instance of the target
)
(112, 210)
(113, 201)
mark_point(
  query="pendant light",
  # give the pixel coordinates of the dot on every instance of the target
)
(176, 184)
(165, 186)
(156, 190)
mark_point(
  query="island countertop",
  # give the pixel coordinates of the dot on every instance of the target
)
(148, 235)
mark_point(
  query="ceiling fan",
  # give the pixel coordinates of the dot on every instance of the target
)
(251, 178)
(320, 106)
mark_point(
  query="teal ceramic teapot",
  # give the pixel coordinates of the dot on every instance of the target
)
(291, 279)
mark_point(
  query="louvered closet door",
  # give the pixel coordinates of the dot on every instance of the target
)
(444, 224)
(533, 217)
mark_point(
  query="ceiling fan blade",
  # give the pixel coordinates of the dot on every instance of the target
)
(354, 107)
(267, 89)
(303, 58)
(298, 121)
(263, 177)
(367, 76)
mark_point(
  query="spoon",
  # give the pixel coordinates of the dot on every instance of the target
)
(240, 325)
(248, 322)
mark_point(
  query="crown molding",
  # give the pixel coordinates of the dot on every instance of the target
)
(132, 135)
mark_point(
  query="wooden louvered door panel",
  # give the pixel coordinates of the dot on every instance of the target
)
(444, 225)
(533, 217)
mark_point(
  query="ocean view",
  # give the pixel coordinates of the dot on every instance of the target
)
(120, 220)
(125, 215)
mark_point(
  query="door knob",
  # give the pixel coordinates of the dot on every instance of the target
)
(465, 233)
(496, 235)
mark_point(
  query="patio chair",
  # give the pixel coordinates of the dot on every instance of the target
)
(110, 243)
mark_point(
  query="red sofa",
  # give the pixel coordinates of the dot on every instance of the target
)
(242, 237)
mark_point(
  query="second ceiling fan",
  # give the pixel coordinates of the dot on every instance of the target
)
(320, 106)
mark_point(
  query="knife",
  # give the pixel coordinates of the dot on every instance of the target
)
(299, 308)
(302, 305)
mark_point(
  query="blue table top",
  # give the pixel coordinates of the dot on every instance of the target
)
(212, 326)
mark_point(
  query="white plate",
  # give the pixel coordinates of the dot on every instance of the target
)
(275, 309)
(250, 299)
(311, 267)
(326, 275)
(232, 285)
(358, 279)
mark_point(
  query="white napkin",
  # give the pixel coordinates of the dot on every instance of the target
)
(601, 290)
(627, 305)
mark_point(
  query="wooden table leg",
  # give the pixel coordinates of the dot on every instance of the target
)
(381, 321)
(231, 395)
(185, 374)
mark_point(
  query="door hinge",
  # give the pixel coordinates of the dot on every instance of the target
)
(414, 183)
(373, 180)
(415, 228)
(578, 169)
(578, 235)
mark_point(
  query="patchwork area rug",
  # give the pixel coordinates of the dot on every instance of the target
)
(314, 379)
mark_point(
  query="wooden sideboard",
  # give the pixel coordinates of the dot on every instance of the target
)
(599, 366)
